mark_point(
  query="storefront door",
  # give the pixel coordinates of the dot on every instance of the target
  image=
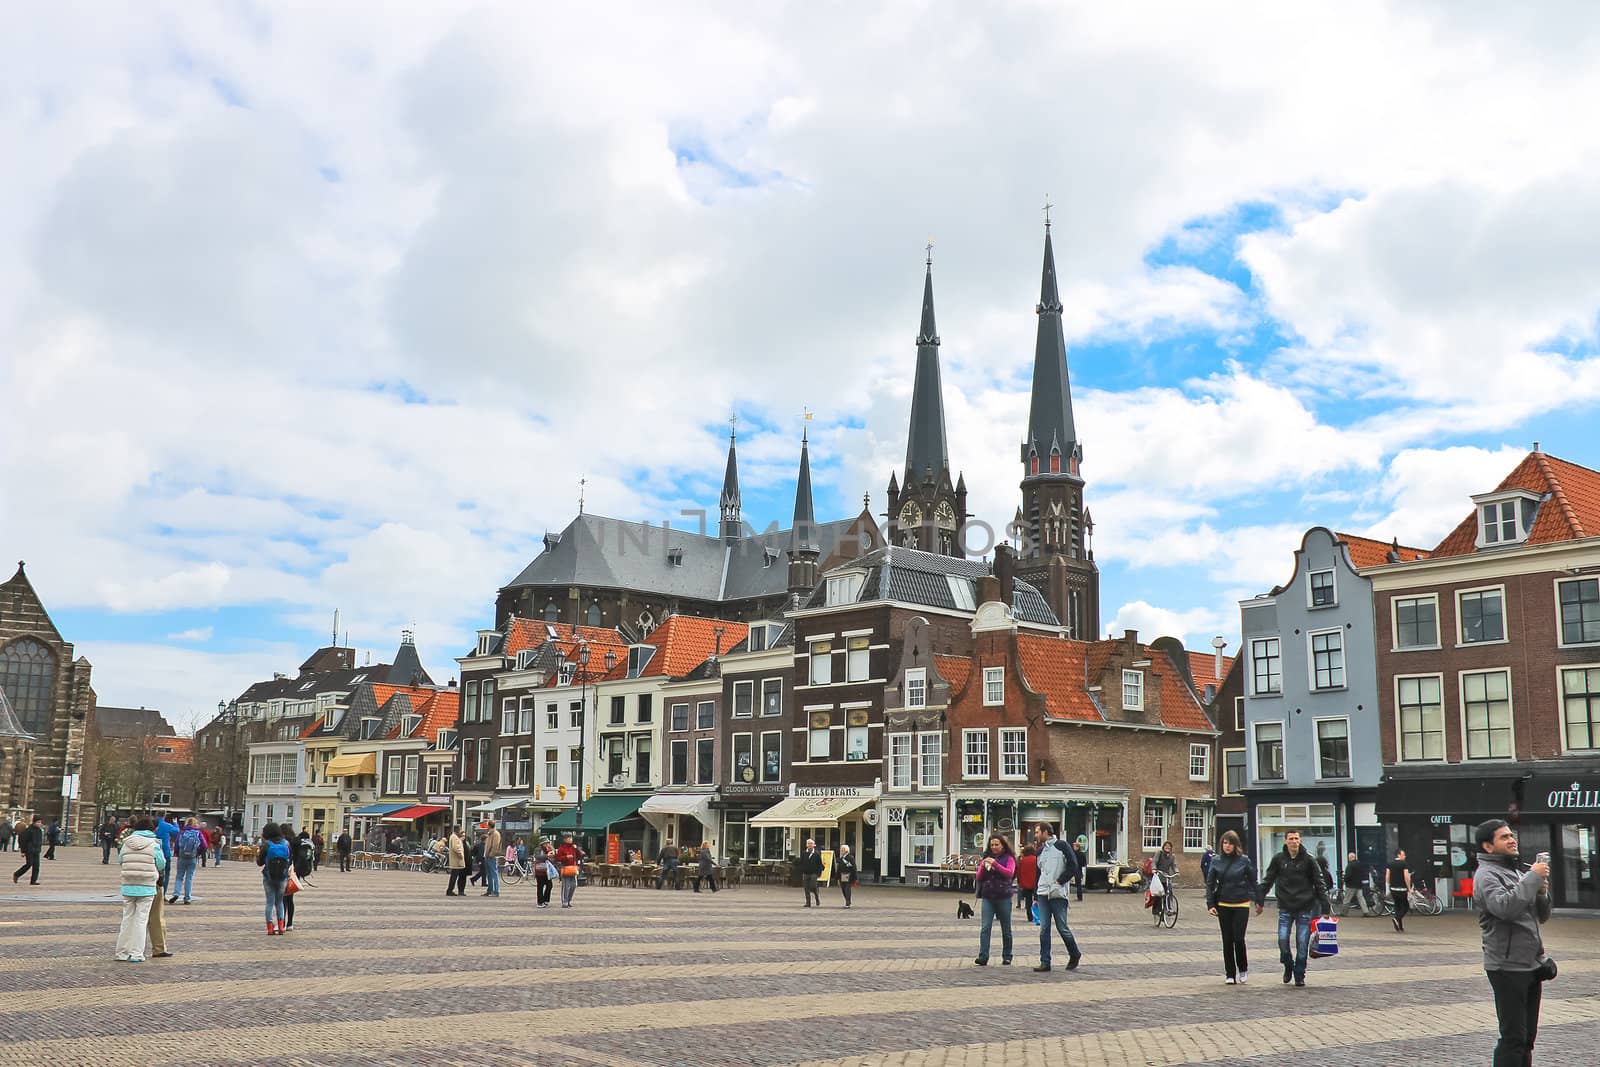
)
(896, 853)
(1573, 879)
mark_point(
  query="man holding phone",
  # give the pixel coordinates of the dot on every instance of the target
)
(1512, 903)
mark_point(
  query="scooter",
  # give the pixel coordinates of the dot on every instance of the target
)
(1120, 877)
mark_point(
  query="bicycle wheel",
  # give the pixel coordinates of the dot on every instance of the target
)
(513, 874)
(1170, 910)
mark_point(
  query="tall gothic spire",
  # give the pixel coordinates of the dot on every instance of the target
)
(732, 527)
(926, 449)
(1050, 422)
(803, 537)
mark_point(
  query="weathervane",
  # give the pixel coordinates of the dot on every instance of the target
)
(805, 424)
(1047, 211)
(930, 252)
(582, 485)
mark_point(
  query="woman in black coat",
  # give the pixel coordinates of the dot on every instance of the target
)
(1230, 890)
(847, 872)
(705, 867)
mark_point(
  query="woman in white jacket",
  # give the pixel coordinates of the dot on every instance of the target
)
(141, 861)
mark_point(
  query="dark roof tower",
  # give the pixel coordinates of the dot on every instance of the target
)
(1050, 425)
(407, 668)
(803, 543)
(732, 527)
(926, 449)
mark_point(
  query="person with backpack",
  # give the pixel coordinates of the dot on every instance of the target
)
(30, 842)
(1230, 889)
(995, 872)
(166, 831)
(1057, 866)
(1302, 897)
(140, 861)
(1027, 881)
(275, 862)
(316, 860)
(190, 843)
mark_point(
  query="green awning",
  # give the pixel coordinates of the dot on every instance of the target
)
(598, 813)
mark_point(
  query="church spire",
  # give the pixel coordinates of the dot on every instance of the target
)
(803, 546)
(1050, 422)
(926, 450)
(732, 527)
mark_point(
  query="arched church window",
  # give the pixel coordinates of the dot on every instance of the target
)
(28, 675)
(592, 617)
(551, 612)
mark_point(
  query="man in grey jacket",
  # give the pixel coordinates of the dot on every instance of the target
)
(1055, 882)
(1511, 902)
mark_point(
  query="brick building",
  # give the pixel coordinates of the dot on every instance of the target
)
(1489, 680)
(51, 697)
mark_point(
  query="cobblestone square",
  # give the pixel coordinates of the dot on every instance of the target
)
(383, 968)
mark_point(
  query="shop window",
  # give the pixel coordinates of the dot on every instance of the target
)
(1266, 666)
(900, 761)
(924, 834)
(858, 659)
(744, 699)
(1421, 711)
(1327, 660)
(931, 753)
(1155, 825)
(1486, 708)
(916, 687)
(1269, 751)
(1416, 622)
(1580, 706)
(1333, 748)
(1196, 819)
(1199, 762)
(1580, 611)
(1482, 615)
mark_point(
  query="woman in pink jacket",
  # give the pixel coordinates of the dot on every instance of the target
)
(995, 873)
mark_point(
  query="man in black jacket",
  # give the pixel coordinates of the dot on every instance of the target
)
(810, 871)
(1302, 896)
(30, 843)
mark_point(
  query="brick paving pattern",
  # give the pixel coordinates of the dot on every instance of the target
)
(382, 968)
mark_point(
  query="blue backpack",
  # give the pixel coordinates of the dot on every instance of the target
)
(189, 843)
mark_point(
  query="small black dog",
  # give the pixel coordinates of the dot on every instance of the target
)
(963, 910)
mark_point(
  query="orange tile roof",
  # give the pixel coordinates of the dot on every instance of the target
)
(182, 749)
(1571, 509)
(531, 633)
(1054, 669)
(1180, 706)
(955, 670)
(313, 728)
(1203, 669)
(1366, 552)
(441, 714)
(686, 641)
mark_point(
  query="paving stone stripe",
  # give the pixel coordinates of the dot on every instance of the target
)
(1216, 1042)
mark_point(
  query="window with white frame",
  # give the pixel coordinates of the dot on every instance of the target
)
(1580, 707)
(619, 711)
(1327, 659)
(858, 658)
(1580, 611)
(820, 742)
(1322, 594)
(975, 753)
(1333, 748)
(771, 756)
(1269, 751)
(844, 588)
(483, 758)
(1486, 709)
(1155, 825)
(486, 708)
(856, 740)
(1498, 522)
(821, 662)
(994, 686)
(525, 709)
(552, 717)
(508, 766)
(924, 834)
(413, 766)
(705, 715)
(1133, 690)
(1199, 762)
(744, 756)
(705, 760)
(930, 753)
(900, 761)
(678, 773)
(771, 697)
(508, 718)
(1416, 622)
(744, 699)
(1420, 705)
(1266, 666)
(680, 717)
(574, 764)
(575, 713)
(1195, 820)
(1014, 753)
(397, 767)
(524, 766)
(1235, 775)
(916, 687)
(469, 703)
(1238, 714)
(552, 767)
(1481, 614)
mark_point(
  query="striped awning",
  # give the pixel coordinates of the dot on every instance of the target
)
(416, 811)
(353, 765)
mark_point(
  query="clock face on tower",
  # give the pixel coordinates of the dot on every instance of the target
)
(945, 515)
(910, 515)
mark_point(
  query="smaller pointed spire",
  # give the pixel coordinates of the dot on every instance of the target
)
(894, 485)
(1049, 293)
(730, 503)
(802, 537)
(928, 332)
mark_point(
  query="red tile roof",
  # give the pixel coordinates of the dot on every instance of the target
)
(531, 633)
(1054, 669)
(683, 642)
(955, 670)
(1180, 706)
(1365, 552)
(316, 724)
(182, 749)
(439, 708)
(1571, 509)
(1203, 667)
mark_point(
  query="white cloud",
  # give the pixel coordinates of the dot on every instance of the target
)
(200, 634)
(1194, 627)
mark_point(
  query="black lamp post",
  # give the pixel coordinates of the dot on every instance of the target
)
(583, 720)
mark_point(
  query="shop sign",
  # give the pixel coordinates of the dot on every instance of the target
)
(1576, 796)
(1441, 820)
(832, 791)
(742, 789)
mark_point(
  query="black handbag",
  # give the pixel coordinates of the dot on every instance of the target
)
(1547, 970)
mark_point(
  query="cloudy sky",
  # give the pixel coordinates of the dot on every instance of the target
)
(304, 311)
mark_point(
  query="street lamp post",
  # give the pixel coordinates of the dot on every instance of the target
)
(583, 722)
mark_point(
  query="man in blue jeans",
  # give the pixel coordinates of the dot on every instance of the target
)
(1055, 882)
(1302, 896)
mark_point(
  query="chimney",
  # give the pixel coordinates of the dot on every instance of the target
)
(1394, 552)
(1132, 639)
(989, 590)
(1005, 571)
(1218, 644)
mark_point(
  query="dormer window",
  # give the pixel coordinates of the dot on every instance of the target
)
(1322, 592)
(961, 592)
(335, 716)
(567, 672)
(408, 724)
(525, 658)
(768, 556)
(485, 641)
(845, 588)
(674, 557)
(757, 641)
(445, 739)
(639, 658)
(369, 727)
(1132, 690)
(1505, 518)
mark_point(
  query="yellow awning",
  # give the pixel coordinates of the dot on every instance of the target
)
(809, 811)
(350, 766)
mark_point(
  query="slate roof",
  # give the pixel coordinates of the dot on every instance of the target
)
(131, 722)
(407, 668)
(1570, 510)
(1366, 552)
(1050, 421)
(912, 576)
(598, 552)
(339, 681)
